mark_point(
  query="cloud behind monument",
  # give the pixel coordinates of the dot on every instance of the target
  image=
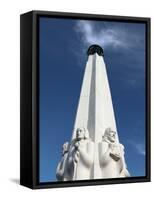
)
(104, 37)
(108, 34)
(139, 147)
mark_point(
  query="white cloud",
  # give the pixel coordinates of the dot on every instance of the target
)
(106, 36)
(140, 148)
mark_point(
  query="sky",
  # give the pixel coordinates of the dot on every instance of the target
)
(63, 47)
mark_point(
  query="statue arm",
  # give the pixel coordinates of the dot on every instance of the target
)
(104, 152)
(115, 151)
(60, 170)
(72, 158)
(88, 155)
(124, 172)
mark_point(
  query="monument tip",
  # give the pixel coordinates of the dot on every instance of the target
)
(95, 49)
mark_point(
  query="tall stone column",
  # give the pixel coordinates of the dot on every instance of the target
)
(95, 110)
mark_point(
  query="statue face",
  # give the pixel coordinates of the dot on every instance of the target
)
(111, 136)
(80, 133)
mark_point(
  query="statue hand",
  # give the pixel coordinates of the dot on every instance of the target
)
(76, 156)
(115, 151)
(113, 145)
(76, 145)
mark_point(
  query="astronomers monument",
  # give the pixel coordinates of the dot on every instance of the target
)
(94, 151)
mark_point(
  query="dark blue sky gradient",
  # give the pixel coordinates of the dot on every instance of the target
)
(62, 63)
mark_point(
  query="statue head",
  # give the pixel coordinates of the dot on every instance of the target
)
(82, 133)
(65, 147)
(109, 135)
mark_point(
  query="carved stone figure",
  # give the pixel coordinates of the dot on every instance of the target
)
(111, 156)
(81, 155)
(62, 172)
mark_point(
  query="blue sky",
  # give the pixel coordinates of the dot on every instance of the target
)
(63, 46)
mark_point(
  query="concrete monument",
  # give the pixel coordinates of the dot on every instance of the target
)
(94, 151)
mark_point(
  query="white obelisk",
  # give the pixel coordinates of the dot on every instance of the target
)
(95, 108)
(95, 113)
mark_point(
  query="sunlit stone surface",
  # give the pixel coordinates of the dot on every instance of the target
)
(94, 151)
